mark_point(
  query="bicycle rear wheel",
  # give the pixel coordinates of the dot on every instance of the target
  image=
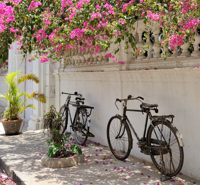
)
(119, 138)
(81, 127)
(166, 153)
(64, 113)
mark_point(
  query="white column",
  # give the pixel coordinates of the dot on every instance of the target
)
(50, 85)
(15, 60)
(36, 119)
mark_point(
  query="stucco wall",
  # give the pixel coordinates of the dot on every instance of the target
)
(176, 91)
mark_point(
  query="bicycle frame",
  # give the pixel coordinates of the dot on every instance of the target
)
(148, 114)
(67, 109)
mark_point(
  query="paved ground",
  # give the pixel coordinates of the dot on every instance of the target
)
(21, 154)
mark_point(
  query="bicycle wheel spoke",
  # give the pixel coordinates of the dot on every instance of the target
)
(81, 128)
(163, 136)
(118, 138)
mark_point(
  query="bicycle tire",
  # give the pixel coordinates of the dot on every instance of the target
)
(63, 113)
(163, 132)
(81, 127)
(125, 138)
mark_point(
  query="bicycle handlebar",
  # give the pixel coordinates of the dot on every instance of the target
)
(75, 94)
(129, 98)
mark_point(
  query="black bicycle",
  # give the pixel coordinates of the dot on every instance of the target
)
(161, 140)
(81, 122)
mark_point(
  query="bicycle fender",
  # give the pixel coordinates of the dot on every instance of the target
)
(121, 118)
(180, 138)
(88, 121)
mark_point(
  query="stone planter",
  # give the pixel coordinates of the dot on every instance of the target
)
(12, 126)
(62, 162)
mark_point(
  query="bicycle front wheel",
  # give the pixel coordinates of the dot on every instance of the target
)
(119, 138)
(64, 114)
(166, 152)
(81, 127)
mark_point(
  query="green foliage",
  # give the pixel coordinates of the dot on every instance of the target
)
(76, 149)
(57, 142)
(15, 99)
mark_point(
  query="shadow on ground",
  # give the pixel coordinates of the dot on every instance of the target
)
(23, 152)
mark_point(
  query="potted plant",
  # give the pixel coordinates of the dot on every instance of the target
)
(17, 101)
(60, 153)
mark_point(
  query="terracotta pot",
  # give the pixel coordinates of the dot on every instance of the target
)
(12, 126)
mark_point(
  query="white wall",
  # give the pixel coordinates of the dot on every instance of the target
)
(176, 91)
(2, 88)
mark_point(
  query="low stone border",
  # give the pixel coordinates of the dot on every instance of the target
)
(62, 162)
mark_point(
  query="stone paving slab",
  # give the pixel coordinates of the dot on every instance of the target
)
(21, 155)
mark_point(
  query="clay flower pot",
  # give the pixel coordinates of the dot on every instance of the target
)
(12, 126)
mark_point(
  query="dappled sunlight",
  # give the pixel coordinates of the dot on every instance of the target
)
(24, 152)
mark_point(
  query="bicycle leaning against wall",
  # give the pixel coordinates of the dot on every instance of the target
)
(161, 140)
(81, 122)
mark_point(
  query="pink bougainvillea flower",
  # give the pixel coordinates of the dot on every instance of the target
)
(40, 154)
(121, 62)
(125, 179)
(153, 16)
(13, 30)
(44, 59)
(176, 40)
(11, 47)
(172, 180)
(40, 35)
(196, 67)
(109, 55)
(34, 5)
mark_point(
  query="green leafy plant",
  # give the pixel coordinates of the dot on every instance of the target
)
(17, 100)
(58, 142)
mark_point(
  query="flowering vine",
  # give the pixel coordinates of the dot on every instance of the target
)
(56, 28)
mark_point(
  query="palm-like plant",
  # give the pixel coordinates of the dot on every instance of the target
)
(15, 99)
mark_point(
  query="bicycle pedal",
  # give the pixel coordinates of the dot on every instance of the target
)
(89, 134)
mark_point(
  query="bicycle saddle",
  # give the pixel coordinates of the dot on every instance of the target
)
(86, 106)
(148, 106)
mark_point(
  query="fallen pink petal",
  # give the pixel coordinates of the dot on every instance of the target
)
(172, 180)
